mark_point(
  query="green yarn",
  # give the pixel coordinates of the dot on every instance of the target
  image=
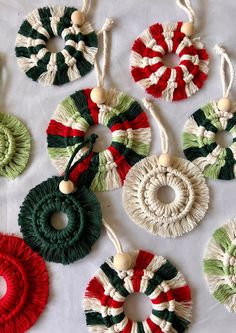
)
(213, 266)
(77, 238)
(15, 145)
(222, 238)
(223, 293)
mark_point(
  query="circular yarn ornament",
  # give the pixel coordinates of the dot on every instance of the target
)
(50, 68)
(149, 70)
(201, 129)
(131, 136)
(84, 219)
(15, 145)
(140, 192)
(151, 275)
(27, 284)
(220, 265)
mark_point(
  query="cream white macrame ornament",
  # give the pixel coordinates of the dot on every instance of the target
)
(140, 191)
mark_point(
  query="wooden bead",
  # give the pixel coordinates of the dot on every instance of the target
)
(98, 95)
(66, 186)
(165, 160)
(188, 29)
(78, 18)
(224, 104)
(122, 261)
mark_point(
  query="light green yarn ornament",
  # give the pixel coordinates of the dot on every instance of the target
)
(15, 144)
(220, 265)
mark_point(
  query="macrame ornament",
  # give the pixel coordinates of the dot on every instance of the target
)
(27, 284)
(131, 135)
(149, 49)
(78, 55)
(15, 145)
(220, 265)
(145, 273)
(201, 129)
(141, 186)
(59, 194)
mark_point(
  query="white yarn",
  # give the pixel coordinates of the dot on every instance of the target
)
(187, 7)
(225, 59)
(163, 133)
(113, 237)
(104, 31)
(86, 6)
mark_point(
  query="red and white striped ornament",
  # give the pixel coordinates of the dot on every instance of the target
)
(149, 49)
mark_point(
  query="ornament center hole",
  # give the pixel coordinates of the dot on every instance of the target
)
(171, 60)
(137, 307)
(3, 287)
(55, 44)
(59, 220)
(224, 139)
(166, 194)
(104, 137)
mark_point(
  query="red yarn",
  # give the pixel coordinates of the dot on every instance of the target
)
(27, 285)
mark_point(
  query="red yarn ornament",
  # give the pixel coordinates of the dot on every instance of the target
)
(27, 283)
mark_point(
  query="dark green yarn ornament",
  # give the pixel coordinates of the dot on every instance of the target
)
(82, 209)
(49, 68)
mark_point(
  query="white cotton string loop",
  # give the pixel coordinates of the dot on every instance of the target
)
(163, 133)
(111, 234)
(104, 31)
(225, 59)
(86, 5)
(187, 7)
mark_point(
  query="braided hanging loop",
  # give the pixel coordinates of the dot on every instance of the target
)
(149, 70)
(131, 136)
(77, 238)
(141, 202)
(15, 145)
(74, 61)
(27, 283)
(199, 141)
(152, 275)
(220, 263)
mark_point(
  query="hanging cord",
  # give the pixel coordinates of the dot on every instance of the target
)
(225, 59)
(101, 73)
(90, 140)
(66, 186)
(163, 133)
(114, 239)
(86, 6)
(187, 7)
(122, 261)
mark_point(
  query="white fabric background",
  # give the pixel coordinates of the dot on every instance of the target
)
(34, 104)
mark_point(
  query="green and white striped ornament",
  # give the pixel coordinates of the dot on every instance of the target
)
(39, 64)
(199, 141)
(220, 265)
